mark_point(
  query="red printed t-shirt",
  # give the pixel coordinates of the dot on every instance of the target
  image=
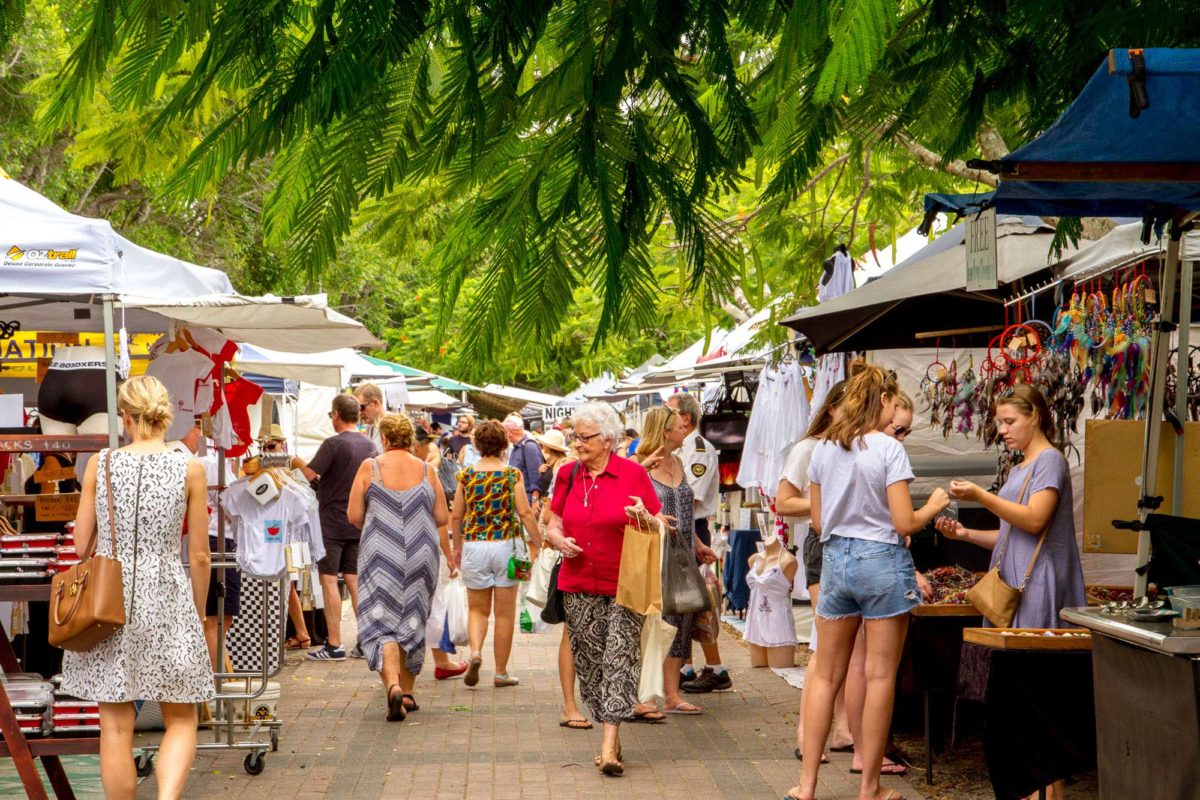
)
(599, 527)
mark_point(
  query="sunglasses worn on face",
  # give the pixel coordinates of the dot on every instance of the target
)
(900, 430)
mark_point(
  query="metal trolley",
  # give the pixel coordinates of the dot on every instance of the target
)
(253, 735)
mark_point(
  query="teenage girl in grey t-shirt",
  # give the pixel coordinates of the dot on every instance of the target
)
(1036, 497)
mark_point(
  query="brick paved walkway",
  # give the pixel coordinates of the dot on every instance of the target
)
(506, 744)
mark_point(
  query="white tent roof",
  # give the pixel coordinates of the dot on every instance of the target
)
(46, 251)
(335, 368)
(1119, 247)
(58, 264)
(515, 393)
(300, 324)
(432, 398)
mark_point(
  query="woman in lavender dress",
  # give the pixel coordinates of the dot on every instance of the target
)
(1036, 495)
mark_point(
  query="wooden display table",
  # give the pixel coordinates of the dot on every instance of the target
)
(48, 748)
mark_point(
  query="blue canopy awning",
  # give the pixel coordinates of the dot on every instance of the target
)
(957, 204)
(1128, 146)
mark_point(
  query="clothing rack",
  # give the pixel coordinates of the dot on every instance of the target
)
(14, 745)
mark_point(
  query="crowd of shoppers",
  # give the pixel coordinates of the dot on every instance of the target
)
(393, 537)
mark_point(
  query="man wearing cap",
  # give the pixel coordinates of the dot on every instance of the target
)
(699, 459)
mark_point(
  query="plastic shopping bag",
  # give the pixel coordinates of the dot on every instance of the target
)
(539, 581)
(456, 610)
(657, 635)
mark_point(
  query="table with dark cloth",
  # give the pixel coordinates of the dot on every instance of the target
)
(930, 669)
(743, 543)
(1038, 713)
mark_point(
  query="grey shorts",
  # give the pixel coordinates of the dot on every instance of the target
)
(811, 553)
(485, 564)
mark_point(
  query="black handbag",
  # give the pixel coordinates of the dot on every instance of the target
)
(554, 612)
(726, 420)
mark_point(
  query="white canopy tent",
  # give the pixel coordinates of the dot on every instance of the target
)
(333, 368)
(63, 272)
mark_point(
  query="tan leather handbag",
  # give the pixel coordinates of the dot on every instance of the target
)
(87, 602)
(992, 596)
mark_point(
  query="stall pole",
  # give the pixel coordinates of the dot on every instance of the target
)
(1160, 352)
(1183, 348)
(110, 370)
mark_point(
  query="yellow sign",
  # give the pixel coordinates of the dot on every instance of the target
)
(19, 355)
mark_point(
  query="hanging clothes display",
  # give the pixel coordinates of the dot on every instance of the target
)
(265, 529)
(778, 420)
(831, 368)
(838, 277)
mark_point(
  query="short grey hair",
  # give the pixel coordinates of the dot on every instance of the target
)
(686, 403)
(604, 419)
(514, 423)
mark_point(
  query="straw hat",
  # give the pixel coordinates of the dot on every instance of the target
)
(553, 440)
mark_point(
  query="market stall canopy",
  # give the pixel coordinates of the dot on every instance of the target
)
(300, 324)
(926, 294)
(48, 252)
(1120, 247)
(418, 377)
(432, 399)
(1110, 154)
(336, 368)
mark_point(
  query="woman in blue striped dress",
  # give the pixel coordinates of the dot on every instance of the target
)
(399, 503)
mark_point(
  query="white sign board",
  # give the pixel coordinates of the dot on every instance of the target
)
(557, 413)
(981, 251)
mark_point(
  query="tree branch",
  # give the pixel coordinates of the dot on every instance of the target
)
(83, 198)
(957, 167)
(866, 184)
(991, 143)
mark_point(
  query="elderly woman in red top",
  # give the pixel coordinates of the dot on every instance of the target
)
(594, 499)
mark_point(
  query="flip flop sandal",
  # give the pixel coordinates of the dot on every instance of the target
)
(576, 724)
(410, 703)
(843, 748)
(297, 643)
(800, 756)
(472, 676)
(894, 770)
(396, 711)
(680, 709)
(645, 717)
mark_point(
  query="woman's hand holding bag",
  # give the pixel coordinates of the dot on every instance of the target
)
(683, 587)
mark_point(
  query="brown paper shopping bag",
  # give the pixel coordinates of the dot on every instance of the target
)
(639, 583)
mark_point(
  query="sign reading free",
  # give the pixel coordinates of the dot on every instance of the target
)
(981, 251)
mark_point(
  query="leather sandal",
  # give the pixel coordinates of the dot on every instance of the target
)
(410, 703)
(395, 702)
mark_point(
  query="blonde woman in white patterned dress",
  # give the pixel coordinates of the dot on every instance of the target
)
(160, 653)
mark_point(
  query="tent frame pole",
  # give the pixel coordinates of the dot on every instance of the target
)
(1160, 353)
(1183, 345)
(110, 370)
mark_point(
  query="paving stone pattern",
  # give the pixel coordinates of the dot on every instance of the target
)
(506, 744)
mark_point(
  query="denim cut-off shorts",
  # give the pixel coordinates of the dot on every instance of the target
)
(862, 578)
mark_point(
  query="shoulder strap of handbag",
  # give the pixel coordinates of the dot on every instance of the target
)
(1041, 539)
(112, 525)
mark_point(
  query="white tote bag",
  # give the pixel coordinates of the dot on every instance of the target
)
(456, 610)
(657, 635)
(539, 581)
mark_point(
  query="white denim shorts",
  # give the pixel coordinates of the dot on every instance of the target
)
(485, 564)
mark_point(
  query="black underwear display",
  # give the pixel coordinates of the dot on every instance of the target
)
(72, 391)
